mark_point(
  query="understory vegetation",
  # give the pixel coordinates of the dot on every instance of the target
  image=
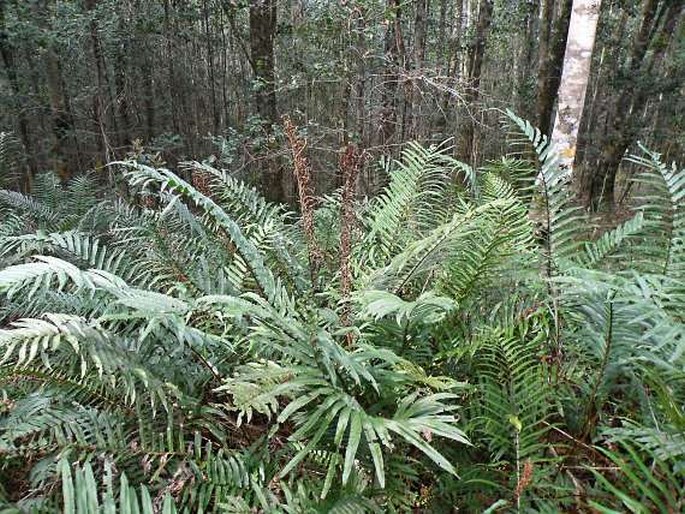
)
(467, 340)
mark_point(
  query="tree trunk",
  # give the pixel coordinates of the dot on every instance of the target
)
(454, 66)
(210, 68)
(394, 55)
(149, 96)
(550, 62)
(574, 79)
(409, 127)
(62, 119)
(525, 65)
(262, 32)
(121, 89)
(474, 68)
(98, 97)
(597, 191)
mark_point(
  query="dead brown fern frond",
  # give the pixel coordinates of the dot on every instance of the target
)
(303, 175)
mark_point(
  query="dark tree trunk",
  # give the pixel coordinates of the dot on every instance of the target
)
(409, 127)
(526, 61)
(551, 60)
(394, 54)
(360, 92)
(453, 62)
(62, 119)
(597, 189)
(210, 68)
(475, 67)
(122, 101)
(149, 96)
(262, 33)
(101, 84)
(170, 57)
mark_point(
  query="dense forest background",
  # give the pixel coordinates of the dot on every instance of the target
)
(85, 82)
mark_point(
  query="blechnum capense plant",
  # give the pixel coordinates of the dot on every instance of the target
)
(190, 347)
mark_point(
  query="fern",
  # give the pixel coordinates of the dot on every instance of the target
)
(558, 216)
(662, 204)
(169, 351)
(417, 185)
(167, 181)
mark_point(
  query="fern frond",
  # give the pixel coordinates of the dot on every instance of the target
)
(140, 175)
(663, 203)
(81, 493)
(563, 223)
(408, 204)
(254, 214)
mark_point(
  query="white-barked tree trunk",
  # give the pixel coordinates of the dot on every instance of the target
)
(574, 79)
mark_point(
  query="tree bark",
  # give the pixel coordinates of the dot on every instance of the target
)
(8, 60)
(417, 59)
(262, 21)
(550, 62)
(574, 79)
(62, 119)
(475, 67)
(121, 92)
(98, 97)
(262, 32)
(394, 55)
(216, 121)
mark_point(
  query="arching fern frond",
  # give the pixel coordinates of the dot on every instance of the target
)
(562, 222)
(144, 176)
(663, 204)
(408, 204)
(255, 215)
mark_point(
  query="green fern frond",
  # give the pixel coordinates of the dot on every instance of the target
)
(408, 204)
(608, 243)
(563, 223)
(255, 215)
(140, 175)
(28, 204)
(514, 404)
(662, 201)
(644, 483)
(82, 494)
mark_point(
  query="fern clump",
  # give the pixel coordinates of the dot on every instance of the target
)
(167, 347)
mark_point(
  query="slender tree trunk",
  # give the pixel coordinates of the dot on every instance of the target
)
(475, 67)
(550, 62)
(574, 79)
(62, 119)
(546, 19)
(170, 57)
(98, 97)
(417, 58)
(453, 63)
(394, 55)
(210, 66)
(443, 55)
(361, 81)
(121, 89)
(149, 96)
(525, 59)
(262, 31)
